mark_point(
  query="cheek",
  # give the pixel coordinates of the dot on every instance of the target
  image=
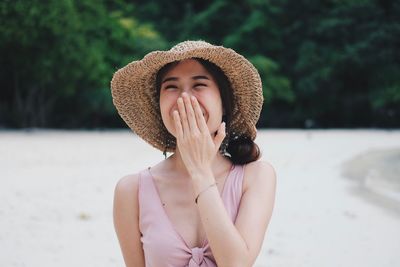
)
(213, 107)
(214, 101)
(167, 105)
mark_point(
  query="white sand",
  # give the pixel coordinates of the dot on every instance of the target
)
(57, 190)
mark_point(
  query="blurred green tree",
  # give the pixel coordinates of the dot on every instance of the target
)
(331, 63)
(325, 63)
(57, 59)
(343, 61)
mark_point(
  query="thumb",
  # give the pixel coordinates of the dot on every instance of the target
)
(220, 135)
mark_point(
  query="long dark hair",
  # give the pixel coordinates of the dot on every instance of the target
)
(241, 149)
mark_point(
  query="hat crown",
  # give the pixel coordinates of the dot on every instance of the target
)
(190, 45)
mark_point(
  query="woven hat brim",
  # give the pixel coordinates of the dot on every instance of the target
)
(134, 93)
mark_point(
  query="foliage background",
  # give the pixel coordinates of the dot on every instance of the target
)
(332, 63)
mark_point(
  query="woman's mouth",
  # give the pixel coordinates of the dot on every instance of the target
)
(205, 116)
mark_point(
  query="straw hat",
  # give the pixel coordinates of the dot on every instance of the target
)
(134, 92)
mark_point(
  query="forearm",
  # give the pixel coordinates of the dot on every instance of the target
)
(227, 245)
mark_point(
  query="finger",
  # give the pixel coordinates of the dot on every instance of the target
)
(220, 135)
(178, 125)
(190, 114)
(182, 115)
(201, 122)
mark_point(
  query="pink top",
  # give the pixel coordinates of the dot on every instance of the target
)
(162, 244)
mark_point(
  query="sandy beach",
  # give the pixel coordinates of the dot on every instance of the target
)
(337, 202)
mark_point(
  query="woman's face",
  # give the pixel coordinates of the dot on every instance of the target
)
(191, 77)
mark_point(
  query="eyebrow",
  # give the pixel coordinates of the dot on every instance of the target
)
(198, 77)
(170, 79)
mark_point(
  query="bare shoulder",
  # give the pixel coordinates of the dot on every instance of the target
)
(126, 194)
(259, 173)
(127, 185)
(126, 219)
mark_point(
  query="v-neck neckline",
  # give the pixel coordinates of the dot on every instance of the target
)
(166, 215)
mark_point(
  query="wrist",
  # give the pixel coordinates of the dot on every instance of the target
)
(202, 174)
(208, 187)
(201, 181)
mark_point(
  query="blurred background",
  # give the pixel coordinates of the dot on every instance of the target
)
(323, 63)
(329, 124)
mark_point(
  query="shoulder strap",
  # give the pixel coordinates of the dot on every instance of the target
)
(233, 191)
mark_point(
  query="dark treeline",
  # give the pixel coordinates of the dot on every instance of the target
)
(323, 63)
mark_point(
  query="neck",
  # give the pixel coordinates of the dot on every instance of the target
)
(218, 164)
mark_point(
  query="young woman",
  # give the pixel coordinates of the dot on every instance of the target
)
(210, 202)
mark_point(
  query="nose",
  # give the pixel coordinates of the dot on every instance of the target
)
(188, 92)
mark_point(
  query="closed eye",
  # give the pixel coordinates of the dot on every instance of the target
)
(170, 86)
(199, 84)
